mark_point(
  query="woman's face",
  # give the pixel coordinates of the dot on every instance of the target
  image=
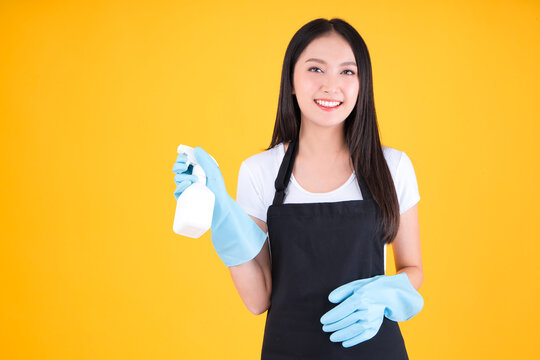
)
(332, 77)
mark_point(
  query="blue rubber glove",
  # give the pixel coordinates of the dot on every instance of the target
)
(235, 236)
(184, 176)
(365, 303)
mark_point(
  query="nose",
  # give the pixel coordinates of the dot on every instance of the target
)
(331, 83)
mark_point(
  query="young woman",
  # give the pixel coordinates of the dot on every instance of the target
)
(328, 197)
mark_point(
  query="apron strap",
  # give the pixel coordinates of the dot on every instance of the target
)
(366, 194)
(285, 171)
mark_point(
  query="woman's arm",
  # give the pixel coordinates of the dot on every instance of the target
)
(253, 279)
(406, 246)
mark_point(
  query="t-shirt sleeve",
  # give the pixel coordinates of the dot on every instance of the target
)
(248, 194)
(406, 184)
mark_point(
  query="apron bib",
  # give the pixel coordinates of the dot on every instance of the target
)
(316, 247)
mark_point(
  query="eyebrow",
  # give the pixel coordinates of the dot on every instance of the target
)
(324, 62)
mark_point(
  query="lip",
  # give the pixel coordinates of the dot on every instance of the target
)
(328, 108)
(324, 99)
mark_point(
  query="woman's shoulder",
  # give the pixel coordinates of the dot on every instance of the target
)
(392, 156)
(264, 160)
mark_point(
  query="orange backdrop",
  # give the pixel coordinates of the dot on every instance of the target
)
(95, 97)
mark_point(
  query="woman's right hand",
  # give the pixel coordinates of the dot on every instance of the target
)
(184, 177)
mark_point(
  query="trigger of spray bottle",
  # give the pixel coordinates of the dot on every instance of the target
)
(195, 205)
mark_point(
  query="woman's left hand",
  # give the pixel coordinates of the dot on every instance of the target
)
(365, 302)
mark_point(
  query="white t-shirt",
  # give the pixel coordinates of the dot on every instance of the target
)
(257, 175)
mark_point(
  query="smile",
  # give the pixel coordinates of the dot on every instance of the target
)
(328, 105)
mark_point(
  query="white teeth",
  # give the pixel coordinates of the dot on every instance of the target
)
(328, 103)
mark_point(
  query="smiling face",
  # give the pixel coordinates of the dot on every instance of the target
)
(332, 77)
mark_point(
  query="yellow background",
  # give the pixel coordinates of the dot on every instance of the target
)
(95, 97)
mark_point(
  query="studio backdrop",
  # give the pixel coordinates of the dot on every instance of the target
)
(95, 97)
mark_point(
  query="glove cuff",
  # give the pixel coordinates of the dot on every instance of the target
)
(235, 236)
(406, 301)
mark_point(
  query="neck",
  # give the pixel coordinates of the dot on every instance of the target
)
(322, 142)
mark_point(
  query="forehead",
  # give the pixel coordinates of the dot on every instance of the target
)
(331, 48)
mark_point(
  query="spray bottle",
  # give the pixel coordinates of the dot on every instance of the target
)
(195, 205)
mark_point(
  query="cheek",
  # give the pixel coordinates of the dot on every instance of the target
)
(353, 91)
(301, 81)
(308, 78)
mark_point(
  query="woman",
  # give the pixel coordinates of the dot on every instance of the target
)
(320, 275)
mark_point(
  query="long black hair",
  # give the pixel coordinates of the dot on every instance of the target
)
(361, 128)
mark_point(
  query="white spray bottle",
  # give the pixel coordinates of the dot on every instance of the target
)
(195, 205)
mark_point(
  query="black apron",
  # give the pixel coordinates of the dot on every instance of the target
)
(316, 247)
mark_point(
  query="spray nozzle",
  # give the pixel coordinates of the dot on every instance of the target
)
(192, 160)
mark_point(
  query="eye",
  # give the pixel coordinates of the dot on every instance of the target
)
(314, 67)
